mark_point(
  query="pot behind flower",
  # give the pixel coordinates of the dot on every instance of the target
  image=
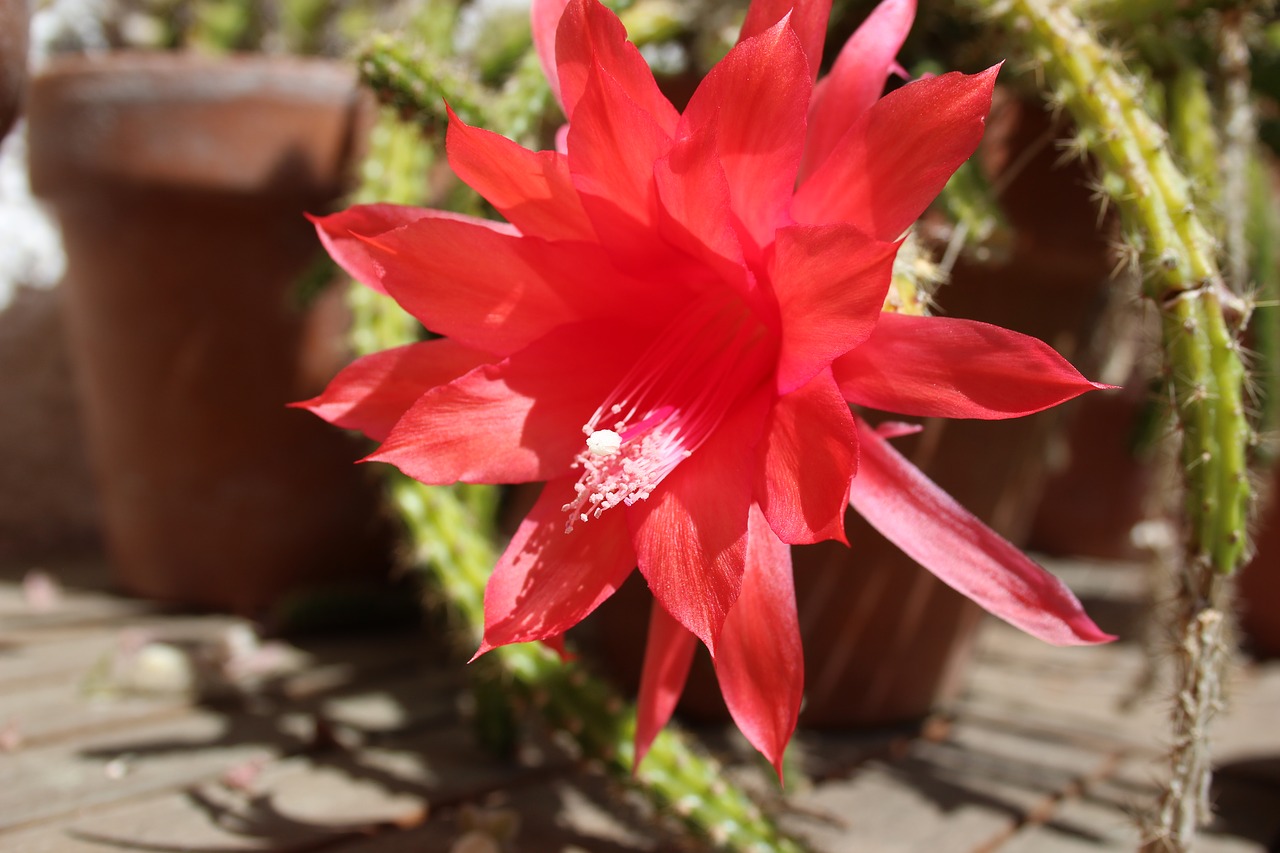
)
(1258, 591)
(13, 60)
(180, 184)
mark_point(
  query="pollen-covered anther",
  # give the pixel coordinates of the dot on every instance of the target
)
(618, 471)
(669, 402)
(604, 443)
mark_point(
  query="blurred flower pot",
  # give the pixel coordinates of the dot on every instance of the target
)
(13, 60)
(884, 641)
(1098, 492)
(180, 184)
(1258, 593)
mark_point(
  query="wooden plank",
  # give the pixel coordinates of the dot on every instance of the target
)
(572, 813)
(55, 654)
(1250, 726)
(1078, 826)
(967, 791)
(45, 782)
(893, 809)
(1087, 691)
(294, 803)
(72, 609)
(48, 710)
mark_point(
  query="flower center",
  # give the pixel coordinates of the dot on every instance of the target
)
(667, 405)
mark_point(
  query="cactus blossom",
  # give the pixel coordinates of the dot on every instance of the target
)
(668, 330)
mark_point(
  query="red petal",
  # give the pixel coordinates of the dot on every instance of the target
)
(935, 531)
(516, 421)
(856, 79)
(668, 654)
(549, 580)
(373, 392)
(808, 20)
(691, 536)
(695, 213)
(943, 367)
(613, 145)
(556, 644)
(545, 19)
(340, 235)
(483, 284)
(810, 455)
(897, 429)
(753, 103)
(533, 190)
(591, 37)
(830, 282)
(760, 664)
(896, 158)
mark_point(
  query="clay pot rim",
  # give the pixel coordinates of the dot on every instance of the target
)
(117, 76)
(134, 119)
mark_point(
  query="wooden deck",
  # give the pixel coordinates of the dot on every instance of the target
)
(126, 729)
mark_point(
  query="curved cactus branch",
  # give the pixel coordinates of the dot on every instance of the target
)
(1201, 319)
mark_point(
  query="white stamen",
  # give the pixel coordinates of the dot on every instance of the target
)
(667, 404)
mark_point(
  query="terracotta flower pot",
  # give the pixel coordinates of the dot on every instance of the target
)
(1258, 592)
(13, 60)
(180, 184)
(1099, 493)
(885, 641)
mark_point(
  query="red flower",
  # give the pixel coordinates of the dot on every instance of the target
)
(669, 330)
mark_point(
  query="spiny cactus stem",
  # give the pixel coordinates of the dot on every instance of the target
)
(418, 84)
(524, 101)
(1130, 13)
(1201, 316)
(979, 223)
(1201, 654)
(1206, 380)
(1204, 373)
(1194, 137)
(1108, 111)
(916, 276)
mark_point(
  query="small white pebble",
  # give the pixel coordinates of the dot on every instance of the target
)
(161, 668)
(117, 768)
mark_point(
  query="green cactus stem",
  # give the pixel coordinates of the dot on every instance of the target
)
(653, 21)
(418, 84)
(1194, 138)
(302, 24)
(979, 225)
(451, 533)
(1140, 12)
(1201, 319)
(222, 26)
(524, 102)
(1178, 257)
(916, 276)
